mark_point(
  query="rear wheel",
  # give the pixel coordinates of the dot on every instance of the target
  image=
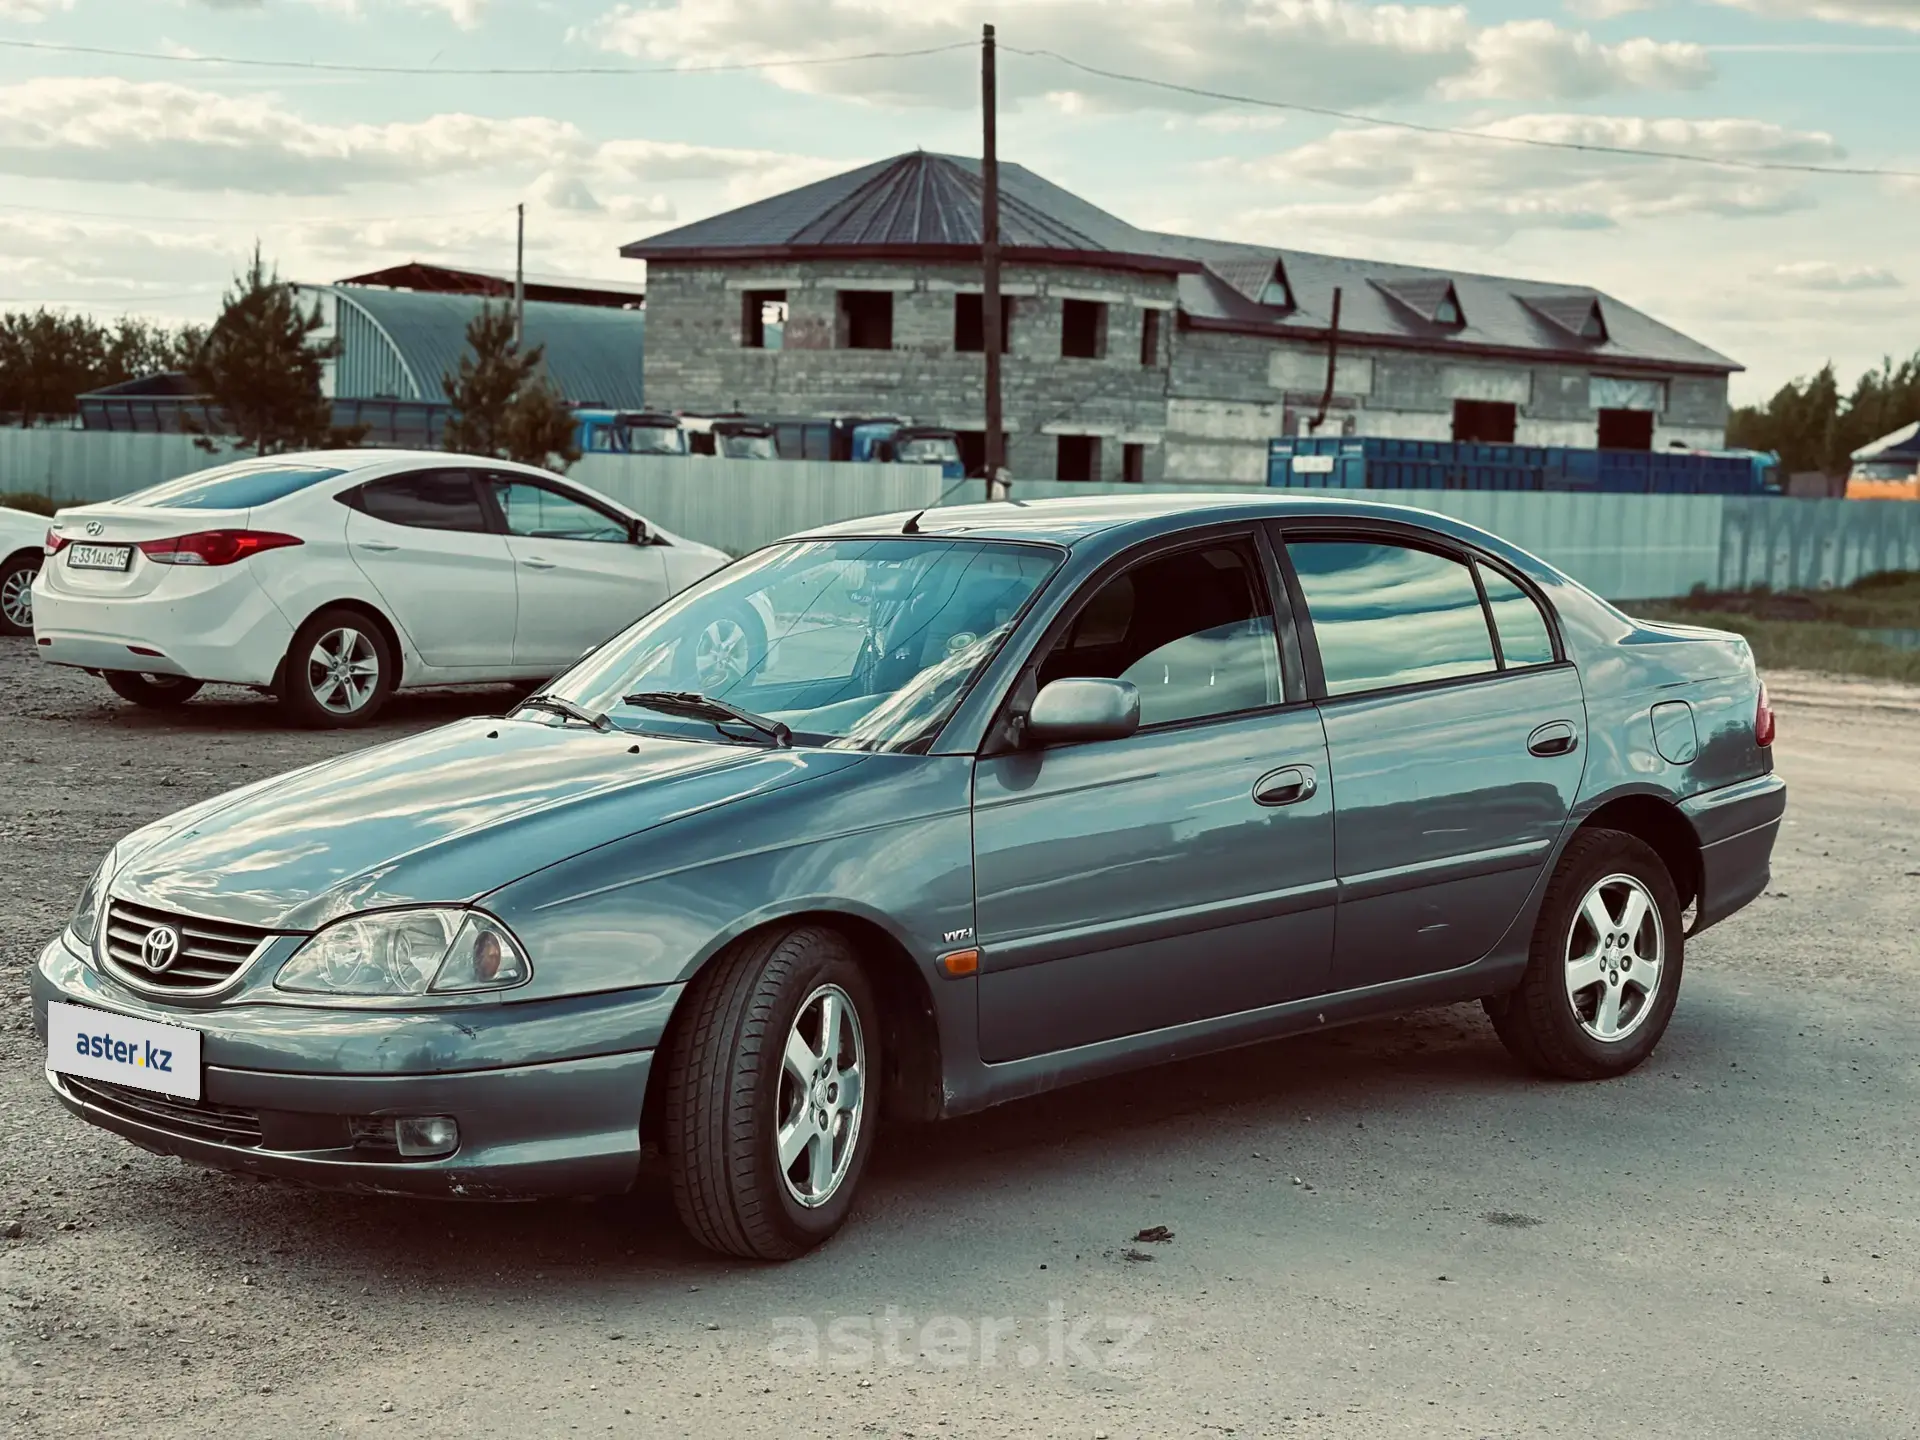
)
(16, 594)
(1604, 973)
(769, 1118)
(155, 692)
(338, 672)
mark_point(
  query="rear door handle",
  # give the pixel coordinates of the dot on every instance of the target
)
(382, 546)
(1556, 737)
(1288, 786)
(534, 562)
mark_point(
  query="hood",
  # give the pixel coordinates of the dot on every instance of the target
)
(440, 818)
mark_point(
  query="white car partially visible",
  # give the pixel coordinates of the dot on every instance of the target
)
(334, 578)
(22, 535)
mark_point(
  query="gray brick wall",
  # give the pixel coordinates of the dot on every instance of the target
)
(1203, 413)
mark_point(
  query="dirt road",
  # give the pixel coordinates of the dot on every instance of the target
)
(1383, 1231)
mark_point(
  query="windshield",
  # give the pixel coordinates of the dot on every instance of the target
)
(853, 644)
(749, 447)
(655, 440)
(231, 487)
(927, 451)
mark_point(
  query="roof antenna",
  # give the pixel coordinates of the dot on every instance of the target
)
(912, 527)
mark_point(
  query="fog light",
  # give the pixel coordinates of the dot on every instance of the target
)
(423, 1136)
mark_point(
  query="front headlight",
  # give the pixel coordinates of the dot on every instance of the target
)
(85, 923)
(407, 952)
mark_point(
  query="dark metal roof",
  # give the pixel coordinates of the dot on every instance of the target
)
(466, 280)
(927, 207)
(916, 206)
(593, 353)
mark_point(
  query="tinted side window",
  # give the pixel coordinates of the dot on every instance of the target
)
(426, 500)
(1192, 630)
(547, 515)
(1524, 637)
(1390, 615)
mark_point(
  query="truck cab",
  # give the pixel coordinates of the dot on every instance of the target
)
(627, 432)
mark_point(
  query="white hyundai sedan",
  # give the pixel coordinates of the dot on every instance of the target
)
(334, 578)
(20, 541)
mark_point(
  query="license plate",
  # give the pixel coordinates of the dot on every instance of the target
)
(144, 1054)
(99, 557)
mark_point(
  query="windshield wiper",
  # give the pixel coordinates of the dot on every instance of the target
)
(691, 705)
(567, 708)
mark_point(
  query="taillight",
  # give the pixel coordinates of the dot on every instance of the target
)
(54, 541)
(214, 547)
(1763, 725)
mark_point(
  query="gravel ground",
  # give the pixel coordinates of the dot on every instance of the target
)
(1382, 1231)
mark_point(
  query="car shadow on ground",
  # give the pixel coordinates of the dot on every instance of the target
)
(1379, 1074)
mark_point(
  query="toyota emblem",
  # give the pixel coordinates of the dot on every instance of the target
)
(94, 527)
(160, 949)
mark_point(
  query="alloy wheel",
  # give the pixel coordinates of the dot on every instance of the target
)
(823, 1096)
(721, 655)
(1616, 953)
(343, 671)
(16, 598)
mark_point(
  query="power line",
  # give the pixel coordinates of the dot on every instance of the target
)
(243, 220)
(341, 68)
(1327, 112)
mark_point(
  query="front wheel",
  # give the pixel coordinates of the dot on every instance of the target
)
(154, 692)
(1603, 975)
(728, 650)
(770, 1112)
(338, 672)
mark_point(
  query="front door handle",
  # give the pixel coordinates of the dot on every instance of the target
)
(380, 546)
(1288, 786)
(534, 562)
(1556, 737)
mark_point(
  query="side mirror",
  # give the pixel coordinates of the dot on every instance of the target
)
(1068, 710)
(637, 532)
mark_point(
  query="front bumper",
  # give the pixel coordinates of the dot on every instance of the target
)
(226, 630)
(548, 1094)
(1737, 826)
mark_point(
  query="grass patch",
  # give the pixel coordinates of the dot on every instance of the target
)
(1819, 630)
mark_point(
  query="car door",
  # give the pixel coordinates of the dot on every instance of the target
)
(1184, 872)
(582, 575)
(1456, 736)
(427, 543)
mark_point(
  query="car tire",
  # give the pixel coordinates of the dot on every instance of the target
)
(16, 594)
(750, 1023)
(728, 650)
(154, 692)
(1611, 921)
(338, 672)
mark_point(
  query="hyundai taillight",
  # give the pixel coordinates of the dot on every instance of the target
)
(214, 547)
(1763, 725)
(55, 540)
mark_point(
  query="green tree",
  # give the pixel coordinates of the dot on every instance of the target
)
(261, 368)
(49, 360)
(503, 403)
(1814, 426)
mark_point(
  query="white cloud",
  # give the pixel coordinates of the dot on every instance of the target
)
(1452, 189)
(1827, 276)
(1537, 60)
(1896, 14)
(29, 12)
(1340, 52)
(1608, 9)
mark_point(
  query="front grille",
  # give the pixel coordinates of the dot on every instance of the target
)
(211, 951)
(195, 1119)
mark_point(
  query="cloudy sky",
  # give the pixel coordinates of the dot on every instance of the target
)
(137, 184)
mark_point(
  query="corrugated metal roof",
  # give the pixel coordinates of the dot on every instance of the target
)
(916, 202)
(473, 280)
(593, 352)
(928, 206)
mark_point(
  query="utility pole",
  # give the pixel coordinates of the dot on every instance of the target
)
(990, 322)
(520, 275)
